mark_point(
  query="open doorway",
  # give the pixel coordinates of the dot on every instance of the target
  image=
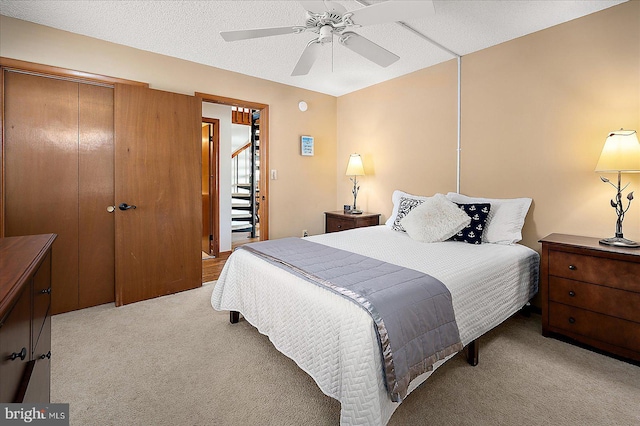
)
(245, 175)
(241, 187)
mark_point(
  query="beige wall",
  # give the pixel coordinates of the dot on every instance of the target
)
(535, 115)
(306, 186)
(405, 130)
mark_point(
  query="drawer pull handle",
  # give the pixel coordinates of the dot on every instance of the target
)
(572, 293)
(48, 355)
(46, 291)
(572, 320)
(572, 267)
(22, 355)
(339, 226)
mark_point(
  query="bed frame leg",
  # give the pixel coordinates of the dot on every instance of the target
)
(234, 317)
(526, 310)
(472, 352)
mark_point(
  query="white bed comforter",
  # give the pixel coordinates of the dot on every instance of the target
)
(334, 340)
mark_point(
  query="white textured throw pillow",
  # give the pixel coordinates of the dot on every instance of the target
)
(436, 219)
(395, 198)
(506, 217)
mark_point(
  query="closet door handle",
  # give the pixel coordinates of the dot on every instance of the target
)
(22, 355)
(125, 206)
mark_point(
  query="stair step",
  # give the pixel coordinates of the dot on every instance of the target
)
(241, 195)
(240, 216)
(241, 219)
(238, 221)
(242, 227)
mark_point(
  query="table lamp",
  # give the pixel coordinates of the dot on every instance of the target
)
(355, 169)
(620, 154)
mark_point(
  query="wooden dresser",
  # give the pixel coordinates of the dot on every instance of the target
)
(340, 221)
(591, 293)
(25, 322)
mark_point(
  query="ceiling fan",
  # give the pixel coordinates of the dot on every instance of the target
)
(328, 19)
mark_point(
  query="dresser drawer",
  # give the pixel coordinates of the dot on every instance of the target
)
(25, 325)
(606, 300)
(336, 224)
(597, 270)
(41, 296)
(39, 389)
(15, 345)
(615, 331)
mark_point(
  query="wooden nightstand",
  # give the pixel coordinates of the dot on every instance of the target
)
(340, 221)
(591, 293)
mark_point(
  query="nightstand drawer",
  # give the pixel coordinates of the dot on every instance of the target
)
(335, 225)
(606, 300)
(340, 221)
(597, 270)
(615, 331)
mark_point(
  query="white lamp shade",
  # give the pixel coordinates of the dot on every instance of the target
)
(354, 167)
(621, 153)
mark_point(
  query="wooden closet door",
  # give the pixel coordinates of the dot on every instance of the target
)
(41, 172)
(96, 274)
(59, 179)
(157, 169)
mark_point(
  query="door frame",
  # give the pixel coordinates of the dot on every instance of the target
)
(263, 210)
(214, 185)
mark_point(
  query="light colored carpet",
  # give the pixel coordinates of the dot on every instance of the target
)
(175, 361)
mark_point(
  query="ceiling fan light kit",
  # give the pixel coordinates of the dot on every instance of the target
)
(328, 19)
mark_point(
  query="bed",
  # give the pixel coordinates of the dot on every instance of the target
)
(334, 340)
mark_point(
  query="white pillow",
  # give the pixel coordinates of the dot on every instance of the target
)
(395, 198)
(506, 217)
(436, 219)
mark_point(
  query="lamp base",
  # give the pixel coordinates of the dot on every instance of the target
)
(355, 211)
(619, 242)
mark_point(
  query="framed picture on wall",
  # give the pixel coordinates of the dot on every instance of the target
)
(306, 145)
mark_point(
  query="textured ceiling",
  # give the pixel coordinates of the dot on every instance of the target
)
(190, 30)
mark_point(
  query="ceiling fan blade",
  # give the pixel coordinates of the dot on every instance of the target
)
(258, 32)
(319, 7)
(392, 11)
(314, 6)
(368, 49)
(308, 57)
